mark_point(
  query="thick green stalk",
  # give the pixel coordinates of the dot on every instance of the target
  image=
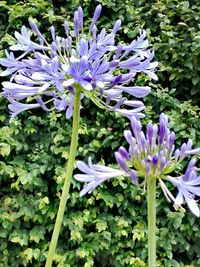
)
(151, 194)
(68, 178)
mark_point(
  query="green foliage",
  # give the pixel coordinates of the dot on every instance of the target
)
(107, 228)
(184, 116)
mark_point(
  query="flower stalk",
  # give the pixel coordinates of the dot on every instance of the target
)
(151, 203)
(68, 178)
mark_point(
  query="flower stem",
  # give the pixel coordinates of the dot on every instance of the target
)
(68, 177)
(151, 194)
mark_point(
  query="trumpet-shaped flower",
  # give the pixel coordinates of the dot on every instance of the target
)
(95, 174)
(150, 154)
(88, 61)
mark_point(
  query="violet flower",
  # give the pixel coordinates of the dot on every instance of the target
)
(150, 154)
(88, 61)
(94, 175)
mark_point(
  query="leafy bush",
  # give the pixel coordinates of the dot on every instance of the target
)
(107, 228)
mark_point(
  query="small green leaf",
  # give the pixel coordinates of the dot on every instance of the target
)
(5, 149)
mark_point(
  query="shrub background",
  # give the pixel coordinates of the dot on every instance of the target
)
(107, 228)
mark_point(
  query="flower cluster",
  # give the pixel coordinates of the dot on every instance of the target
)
(150, 156)
(46, 73)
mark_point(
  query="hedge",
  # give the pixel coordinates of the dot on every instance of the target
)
(107, 228)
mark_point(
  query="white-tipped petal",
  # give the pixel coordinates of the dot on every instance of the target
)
(193, 206)
(68, 82)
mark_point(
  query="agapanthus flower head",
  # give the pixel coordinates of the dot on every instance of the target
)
(151, 155)
(89, 61)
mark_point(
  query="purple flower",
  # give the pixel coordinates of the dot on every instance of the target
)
(24, 42)
(94, 175)
(13, 64)
(152, 154)
(90, 61)
(188, 186)
(17, 107)
(97, 13)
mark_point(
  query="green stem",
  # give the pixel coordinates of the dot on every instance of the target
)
(151, 194)
(68, 177)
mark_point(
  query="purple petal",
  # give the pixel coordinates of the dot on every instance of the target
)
(129, 137)
(155, 160)
(136, 126)
(121, 161)
(80, 16)
(116, 26)
(76, 23)
(36, 30)
(136, 91)
(134, 177)
(171, 139)
(134, 103)
(84, 177)
(162, 131)
(195, 151)
(41, 103)
(124, 153)
(84, 167)
(97, 13)
(69, 112)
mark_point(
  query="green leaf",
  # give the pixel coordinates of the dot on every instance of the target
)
(5, 149)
